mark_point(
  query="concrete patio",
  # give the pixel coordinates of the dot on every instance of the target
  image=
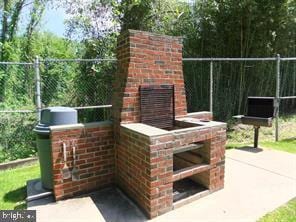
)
(257, 181)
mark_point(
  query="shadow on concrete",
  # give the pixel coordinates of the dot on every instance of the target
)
(116, 207)
(112, 204)
(250, 149)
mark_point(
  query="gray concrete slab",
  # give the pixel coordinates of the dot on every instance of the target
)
(278, 162)
(256, 182)
(81, 209)
(115, 206)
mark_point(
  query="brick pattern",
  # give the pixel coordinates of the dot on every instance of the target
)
(145, 165)
(145, 170)
(95, 159)
(214, 154)
(146, 58)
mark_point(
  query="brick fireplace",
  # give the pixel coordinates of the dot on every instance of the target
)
(148, 161)
(159, 168)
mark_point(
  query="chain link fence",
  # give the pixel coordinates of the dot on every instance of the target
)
(17, 86)
(227, 83)
(82, 84)
(86, 84)
(17, 110)
(233, 82)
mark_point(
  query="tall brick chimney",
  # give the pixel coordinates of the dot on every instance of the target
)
(146, 58)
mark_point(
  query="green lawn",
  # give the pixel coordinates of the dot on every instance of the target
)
(13, 186)
(286, 213)
(288, 145)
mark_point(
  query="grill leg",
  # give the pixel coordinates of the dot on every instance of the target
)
(256, 136)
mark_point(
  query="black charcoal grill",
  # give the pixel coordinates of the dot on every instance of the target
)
(260, 113)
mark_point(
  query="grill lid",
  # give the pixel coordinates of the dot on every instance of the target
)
(261, 107)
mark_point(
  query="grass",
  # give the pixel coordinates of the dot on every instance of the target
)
(242, 135)
(13, 186)
(285, 213)
(288, 145)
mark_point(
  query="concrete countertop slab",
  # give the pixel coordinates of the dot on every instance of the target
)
(145, 129)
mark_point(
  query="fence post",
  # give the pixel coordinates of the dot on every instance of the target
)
(277, 96)
(211, 86)
(38, 88)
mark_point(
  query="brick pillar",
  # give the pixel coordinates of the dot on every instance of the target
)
(146, 58)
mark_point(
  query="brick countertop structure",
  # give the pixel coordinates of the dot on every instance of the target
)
(144, 161)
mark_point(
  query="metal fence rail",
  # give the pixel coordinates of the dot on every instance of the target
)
(85, 84)
(277, 96)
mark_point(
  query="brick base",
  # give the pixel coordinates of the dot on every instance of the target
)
(144, 164)
(95, 158)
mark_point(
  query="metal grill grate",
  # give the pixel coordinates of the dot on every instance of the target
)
(157, 105)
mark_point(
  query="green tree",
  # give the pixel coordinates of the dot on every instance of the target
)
(10, 14)
(213, 28)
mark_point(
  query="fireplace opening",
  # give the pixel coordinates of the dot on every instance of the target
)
(157, 107)
(189, 164)
(188, 158)
(186, 188)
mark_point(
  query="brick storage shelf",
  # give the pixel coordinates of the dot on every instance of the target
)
(187, 148)
(190, 171)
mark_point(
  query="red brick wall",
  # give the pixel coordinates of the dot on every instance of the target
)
(146, 58)
(95, 158)
(214, 153)
(145, 165)
(145, 170)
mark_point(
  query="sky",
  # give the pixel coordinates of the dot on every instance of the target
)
(53, 21)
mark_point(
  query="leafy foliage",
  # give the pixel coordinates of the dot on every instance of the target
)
(212, 28)
(16, 136)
